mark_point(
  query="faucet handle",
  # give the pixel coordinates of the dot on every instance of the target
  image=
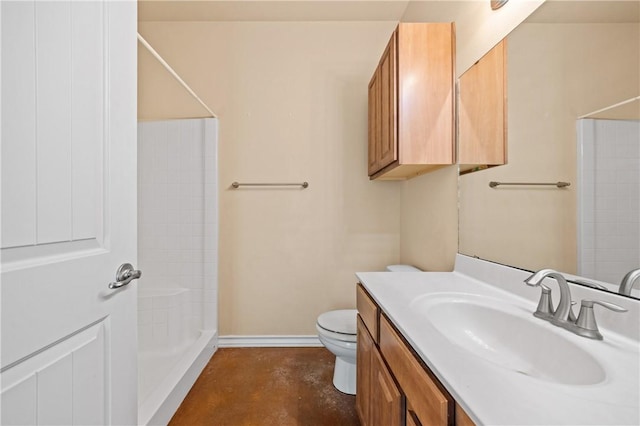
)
(586, 322)
(572, 316)
(545, 305)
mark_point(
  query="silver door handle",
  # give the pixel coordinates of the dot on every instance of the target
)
(125, 275)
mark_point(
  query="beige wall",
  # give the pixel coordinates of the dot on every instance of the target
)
(557, 73)
(291, 98)
(429, 237)
(429, 220)
(292, 104)
(160, 95)
(478, 28)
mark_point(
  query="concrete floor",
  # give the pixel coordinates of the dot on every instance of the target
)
(267, 386)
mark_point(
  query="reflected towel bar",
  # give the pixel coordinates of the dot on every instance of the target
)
(237, 185)
(493, 184)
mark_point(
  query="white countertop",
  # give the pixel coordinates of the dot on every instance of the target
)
(492, 394)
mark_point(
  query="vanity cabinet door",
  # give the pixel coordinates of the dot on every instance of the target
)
(411, 417)
(378, 399)
(462, 418)
(364, 350)
(482, 112)
(431, 405)
(386, 399)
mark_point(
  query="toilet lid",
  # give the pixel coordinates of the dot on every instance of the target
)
(402, 268)
(342, 321)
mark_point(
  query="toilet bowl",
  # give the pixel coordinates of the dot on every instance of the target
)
(337, 332)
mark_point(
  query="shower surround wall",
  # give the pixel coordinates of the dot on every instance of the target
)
(177, 252)
(609, 206)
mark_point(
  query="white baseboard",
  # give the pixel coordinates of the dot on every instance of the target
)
(268, 341)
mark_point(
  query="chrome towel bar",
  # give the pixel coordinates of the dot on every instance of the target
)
(236, 185)
(493, 184)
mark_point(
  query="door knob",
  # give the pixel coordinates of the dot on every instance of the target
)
(124, 275)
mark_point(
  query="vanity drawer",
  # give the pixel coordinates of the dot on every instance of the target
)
(430, 405)
(368, 311)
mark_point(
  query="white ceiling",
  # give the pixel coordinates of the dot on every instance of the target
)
(587, 11)
(553, 11)
(268, 10)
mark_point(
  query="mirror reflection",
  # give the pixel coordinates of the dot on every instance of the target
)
(573, 113)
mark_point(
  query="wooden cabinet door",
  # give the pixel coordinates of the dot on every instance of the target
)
(386, 399)
(411, 417)
(482, 111)
(383, 129)
(462, 418)
(426, 93)
(411, 103)
(365, 347)
(431, 406)
(388, 152)
(374, 123)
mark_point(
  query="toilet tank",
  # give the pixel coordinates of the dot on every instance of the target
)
(402, 268)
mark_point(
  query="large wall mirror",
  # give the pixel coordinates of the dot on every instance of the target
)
(573, 72)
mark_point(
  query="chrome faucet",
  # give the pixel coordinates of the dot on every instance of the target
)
(628, 281)
(585, 325)
(561, 315)
(545, 305)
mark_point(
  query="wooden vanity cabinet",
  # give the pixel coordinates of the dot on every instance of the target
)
(364, 373)
(386, 399)
(482, 112)
(431, 404)
(368, 313)
(462, 418)
(394, 387)
(411, 102)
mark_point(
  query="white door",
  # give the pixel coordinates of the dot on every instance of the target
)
(68, 342)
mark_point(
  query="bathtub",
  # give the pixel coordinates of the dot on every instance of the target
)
(172, 351)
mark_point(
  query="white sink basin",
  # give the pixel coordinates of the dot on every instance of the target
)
(509, 337)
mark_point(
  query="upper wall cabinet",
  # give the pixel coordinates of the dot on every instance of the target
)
(411, 103)
(482, 112)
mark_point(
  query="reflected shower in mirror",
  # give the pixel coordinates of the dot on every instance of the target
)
(566, 61)
(609, 195)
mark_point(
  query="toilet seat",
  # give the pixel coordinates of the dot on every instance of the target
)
(340, 324)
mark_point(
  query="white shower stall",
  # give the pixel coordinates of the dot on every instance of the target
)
(609, 198)
(177, 252)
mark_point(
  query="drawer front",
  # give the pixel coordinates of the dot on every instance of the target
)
(430, 405)
(368, 311)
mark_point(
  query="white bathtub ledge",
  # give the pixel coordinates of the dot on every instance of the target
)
(162, 403)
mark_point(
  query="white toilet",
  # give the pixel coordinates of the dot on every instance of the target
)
(337, 332)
